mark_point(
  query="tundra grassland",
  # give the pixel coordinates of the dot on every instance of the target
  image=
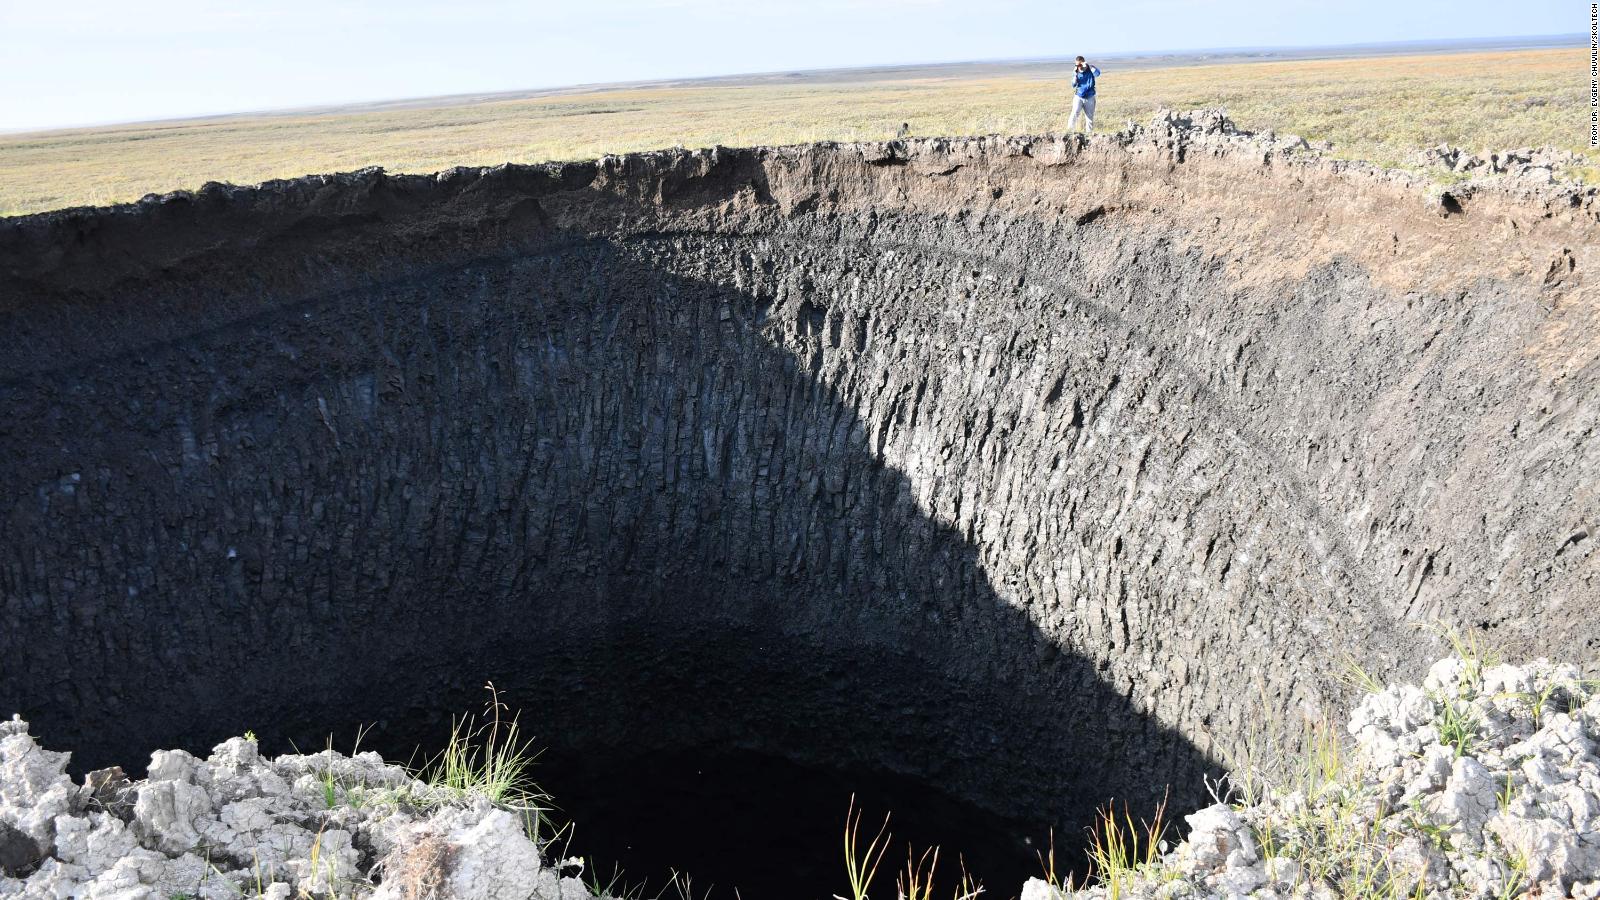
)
(1381, 109)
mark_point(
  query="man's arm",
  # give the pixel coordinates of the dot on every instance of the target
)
(1095, 70)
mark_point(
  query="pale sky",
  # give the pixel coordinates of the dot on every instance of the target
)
(73, 62)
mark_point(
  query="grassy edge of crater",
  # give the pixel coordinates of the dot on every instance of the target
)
(1380, 111)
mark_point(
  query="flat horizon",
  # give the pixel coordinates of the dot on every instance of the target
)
(1166, 58)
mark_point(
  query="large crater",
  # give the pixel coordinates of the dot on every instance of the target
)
(1001, 478)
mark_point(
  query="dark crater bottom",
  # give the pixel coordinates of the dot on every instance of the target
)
(750, 825)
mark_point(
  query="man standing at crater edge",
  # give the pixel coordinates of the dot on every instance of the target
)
(1083, 79)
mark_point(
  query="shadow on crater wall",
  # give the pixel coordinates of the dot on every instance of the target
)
(601, 484)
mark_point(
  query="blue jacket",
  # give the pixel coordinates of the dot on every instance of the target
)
(1083, 82)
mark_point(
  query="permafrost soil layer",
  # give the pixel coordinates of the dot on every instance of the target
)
(1046, 470)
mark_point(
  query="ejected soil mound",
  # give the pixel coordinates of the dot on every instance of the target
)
(1040, 469)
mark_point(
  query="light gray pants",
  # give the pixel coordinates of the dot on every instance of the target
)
(1085, 107)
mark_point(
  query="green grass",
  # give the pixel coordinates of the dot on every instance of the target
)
(1062, 882)
(1472, 650)
(330, 790)
(336, 791)
(485, 756)
(1458, 728)
(1121, 852)
(914, 882)
(1517, 871)
(1329, 837)
(861, 864)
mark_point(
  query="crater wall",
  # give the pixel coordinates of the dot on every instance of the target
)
(1045, 468)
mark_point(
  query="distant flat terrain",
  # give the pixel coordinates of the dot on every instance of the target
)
(1374, 102)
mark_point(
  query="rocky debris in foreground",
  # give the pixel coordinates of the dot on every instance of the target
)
(238, 825)
(1482, 783)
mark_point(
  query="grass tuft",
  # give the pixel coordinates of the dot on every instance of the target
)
(861, 866)
(1120, 851)
(486, 757)
(916, 882)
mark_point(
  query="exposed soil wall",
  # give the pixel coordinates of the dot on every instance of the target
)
(1044, 468)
